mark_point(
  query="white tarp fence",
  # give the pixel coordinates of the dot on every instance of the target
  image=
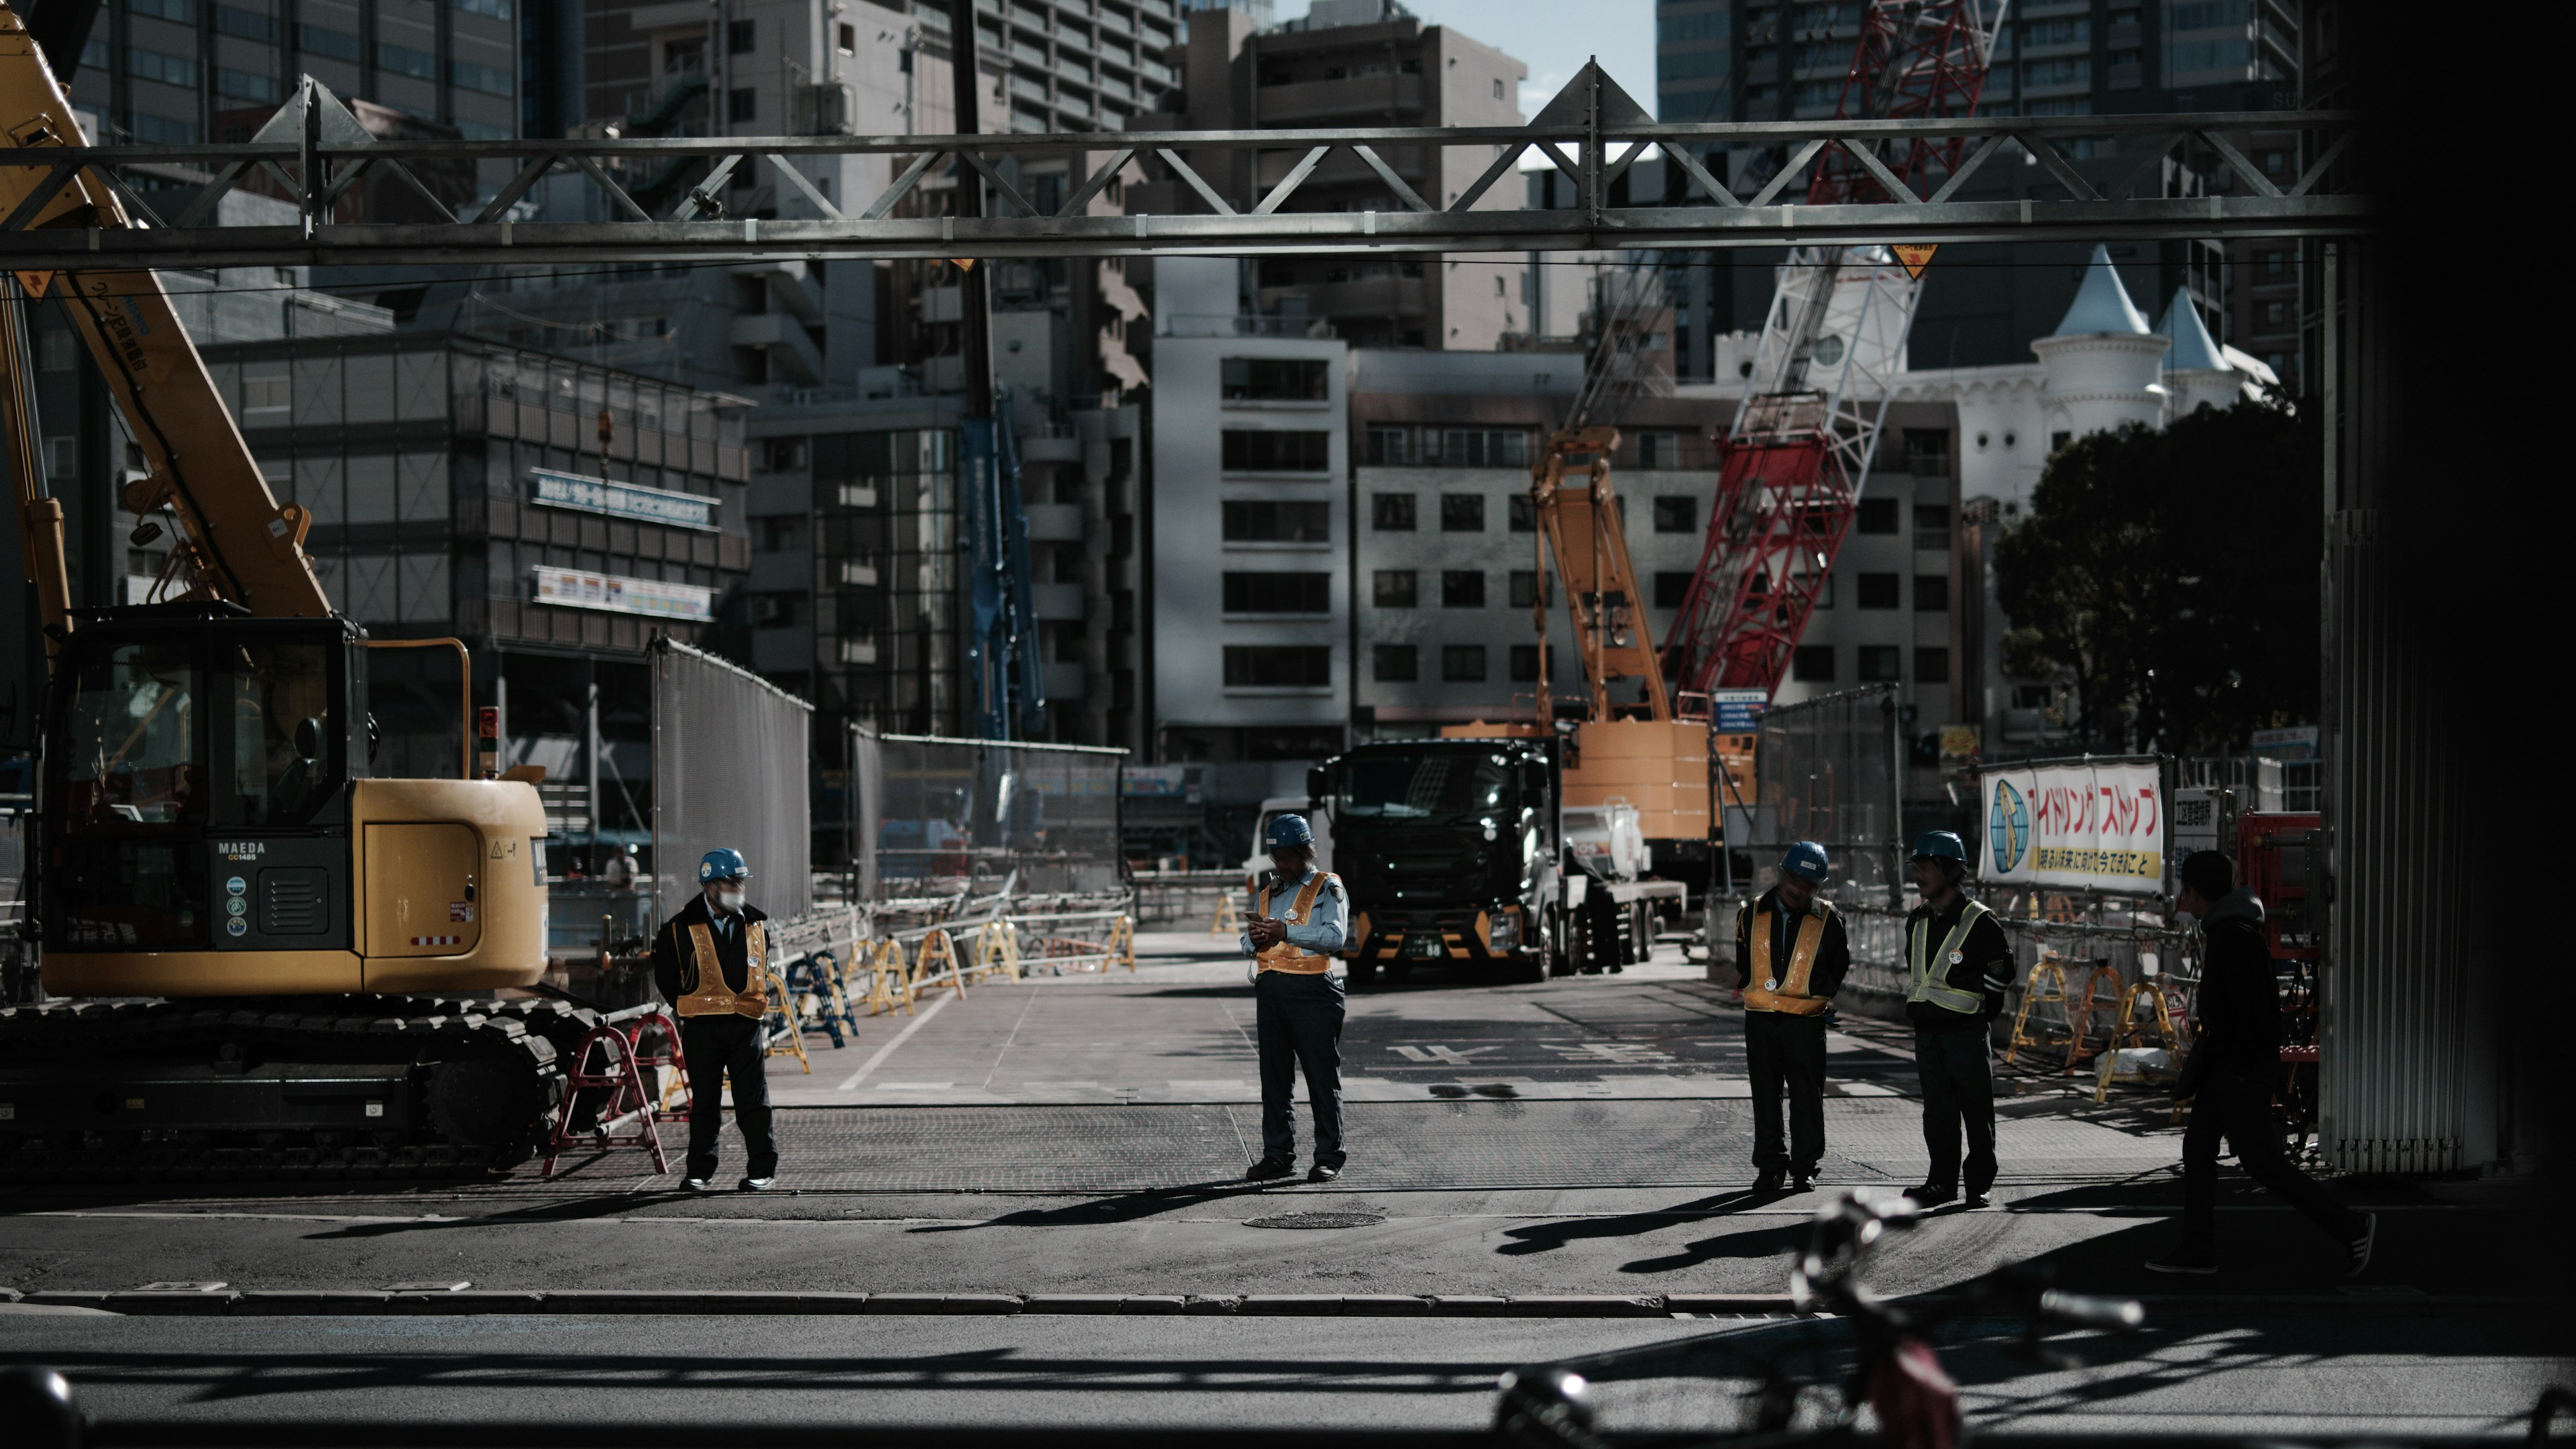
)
(2085, 824)
(731, 766)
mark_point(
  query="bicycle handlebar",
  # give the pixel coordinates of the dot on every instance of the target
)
(2088, 1310)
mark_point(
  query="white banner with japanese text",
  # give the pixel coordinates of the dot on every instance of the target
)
(2093, 825)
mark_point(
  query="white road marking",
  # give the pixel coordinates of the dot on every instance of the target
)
(851, 1083)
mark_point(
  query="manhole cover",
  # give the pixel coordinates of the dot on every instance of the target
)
(1319, 1220)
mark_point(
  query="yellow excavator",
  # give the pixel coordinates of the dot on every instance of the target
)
(263, 960)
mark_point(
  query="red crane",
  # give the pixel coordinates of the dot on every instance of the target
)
(1789, 482)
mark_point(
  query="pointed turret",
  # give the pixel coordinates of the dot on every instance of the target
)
(2102, 304)
(2193, 349)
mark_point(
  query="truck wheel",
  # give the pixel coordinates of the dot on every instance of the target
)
(1560, 946)
(1645, 931)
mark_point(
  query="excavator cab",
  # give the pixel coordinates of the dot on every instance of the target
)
(197, 781)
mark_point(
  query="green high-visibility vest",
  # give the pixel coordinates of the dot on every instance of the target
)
(1931, 969)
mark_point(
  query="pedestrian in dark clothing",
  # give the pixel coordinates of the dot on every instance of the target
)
(2235, 1060)
(712, 964)
(1792, 952)
(1961, 965)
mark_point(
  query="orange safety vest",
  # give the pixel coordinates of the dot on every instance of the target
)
(712, 997)
(1285, 957)
(1767, 990)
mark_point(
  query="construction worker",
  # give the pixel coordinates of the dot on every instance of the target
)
(711, 961)
(1961, 965)
(1298, 1001)
(1790, 947)
(2235, 1060)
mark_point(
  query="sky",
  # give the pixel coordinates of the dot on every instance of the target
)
(1540, 35)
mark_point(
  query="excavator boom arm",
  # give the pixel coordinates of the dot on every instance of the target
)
(246, 548)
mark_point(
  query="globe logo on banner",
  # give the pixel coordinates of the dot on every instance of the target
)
(2007, 826)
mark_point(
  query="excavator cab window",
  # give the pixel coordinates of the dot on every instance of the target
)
(285, 744)
(134, 751)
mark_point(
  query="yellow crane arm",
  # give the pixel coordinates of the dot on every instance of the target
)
(1580, 532)
(244, 546)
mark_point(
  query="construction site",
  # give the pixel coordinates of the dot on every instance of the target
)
(426, 710)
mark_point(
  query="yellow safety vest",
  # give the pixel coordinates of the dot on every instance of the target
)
(1770, 990)
(1286, 957)
(1931, 973)
(711, 997)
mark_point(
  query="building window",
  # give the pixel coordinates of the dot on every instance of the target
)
(1932, 527)
(1278, 666)
(2059, 440)
(1878, 663)
(1462, 588)
(1931, 593)
(1388, 448)
(1927, 452)
(1462, 663)
(1878, 515)
(1878, 591)
(163, 130)
(403, 60)
(1525, 663)
(849, 40)
(497, 9)
(337, 44)
(1462, 513)
(1524, 517)
(1524, 588)
(1250, 451)
(1498, 88)
(1274, 379)
(1267, 593)
(1813, 664)
(1473, 447)
(2276, 314)
(743, 106)
(740, 37)
(1393, 664)
(1659, 450)
(152, 65)
(1671, 586)
(243, 85)
(1397, 589)
(2276, 264)
(1260, 520)
(1932, 666)
(493, 81)
(247, 24)
(1391, 512)
(1676, 513)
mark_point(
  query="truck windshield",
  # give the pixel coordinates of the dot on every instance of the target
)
(1436, 785)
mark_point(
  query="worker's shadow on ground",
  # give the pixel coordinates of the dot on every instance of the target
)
(1124, 1208)
(1548, 1237)
(605, 1205)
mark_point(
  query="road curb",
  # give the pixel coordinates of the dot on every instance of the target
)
(278, 1303)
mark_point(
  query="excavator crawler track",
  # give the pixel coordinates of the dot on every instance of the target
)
(286, 1089)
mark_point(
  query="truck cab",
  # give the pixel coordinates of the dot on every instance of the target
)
(1450, 850)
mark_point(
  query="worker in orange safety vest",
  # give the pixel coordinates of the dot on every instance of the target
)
(712, 964)
(1792, 953)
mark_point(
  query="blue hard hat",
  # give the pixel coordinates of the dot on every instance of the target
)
(1940, 845)
(722, 863)
(1287, 832)
(1806, 861)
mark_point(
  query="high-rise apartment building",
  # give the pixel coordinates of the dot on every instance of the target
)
(1771, 60)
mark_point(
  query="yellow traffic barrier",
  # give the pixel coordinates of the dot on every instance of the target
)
(997, 948)
(788, 1038)
(937, 965)
(1227, 922)
(2128, 1031)
(1122, 946)
(890, 977)
(2079, 1022)
(2032, 995)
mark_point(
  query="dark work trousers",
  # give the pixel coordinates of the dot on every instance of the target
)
(1958, 1091)
(1782, 1051)
(718, 1046)
(1299, 1024)
(2241, 1111)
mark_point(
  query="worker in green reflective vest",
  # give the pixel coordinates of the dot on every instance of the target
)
(1960, 965)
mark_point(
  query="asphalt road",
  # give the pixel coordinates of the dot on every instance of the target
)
(1083, 1135)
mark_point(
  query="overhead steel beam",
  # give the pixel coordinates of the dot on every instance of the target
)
(1326, 191)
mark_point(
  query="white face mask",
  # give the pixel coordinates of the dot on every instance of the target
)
(729, 901)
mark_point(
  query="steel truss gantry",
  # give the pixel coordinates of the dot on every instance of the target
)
(315, 153)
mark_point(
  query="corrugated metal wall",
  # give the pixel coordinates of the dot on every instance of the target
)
(732, 765)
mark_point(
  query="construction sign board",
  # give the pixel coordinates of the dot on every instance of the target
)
(1914, 257)
(2091, 825)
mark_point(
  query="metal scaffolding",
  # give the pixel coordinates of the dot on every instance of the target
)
(316, 154)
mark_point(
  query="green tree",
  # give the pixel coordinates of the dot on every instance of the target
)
(2173, 575)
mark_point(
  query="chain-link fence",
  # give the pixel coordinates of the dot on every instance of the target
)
(732, 766)
(1830, 770)
(942, 818)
